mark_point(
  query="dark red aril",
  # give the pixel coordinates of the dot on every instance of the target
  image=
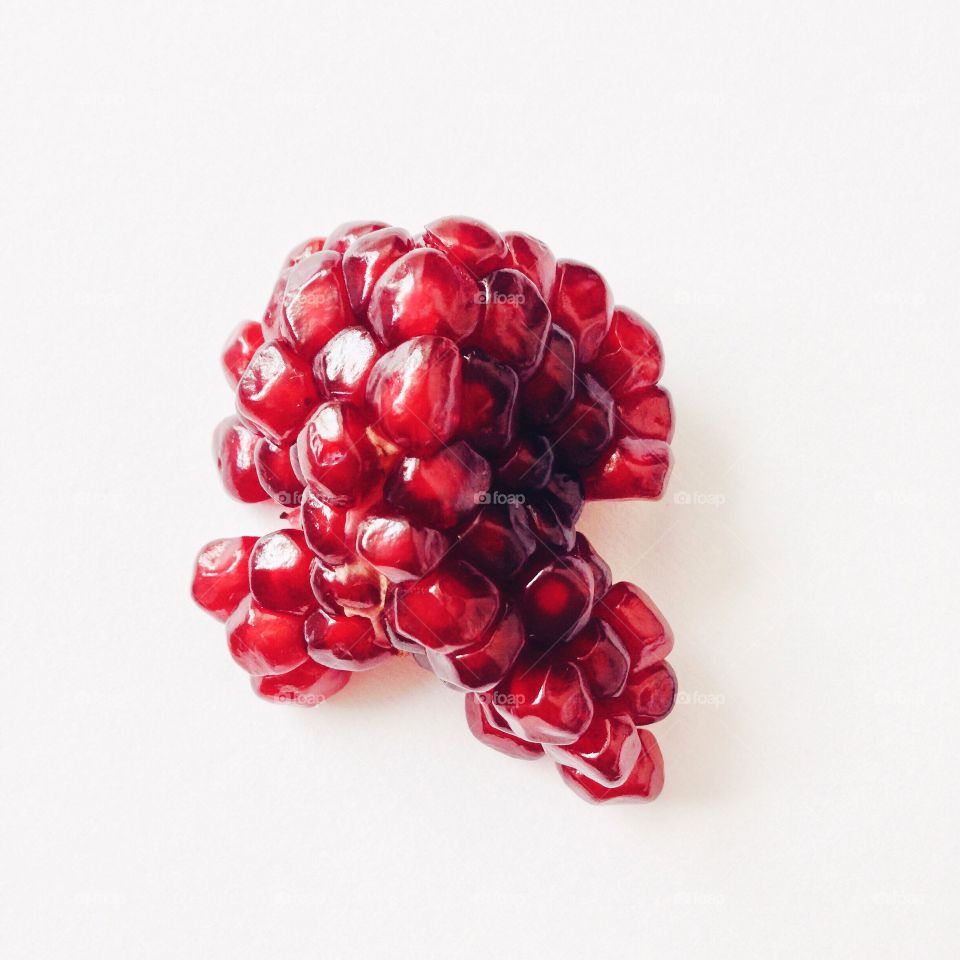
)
(475, 245)
(275, 471)
(555, 600)
(367, 259)
(480, 726)
(343, 365)
(527, 465)
(553, 512)
(499, 540)
(646, 413)
(345, 643)
(644, 782)
(449, 609)
(400, 549)
(548, 392)
(424, 294)
(353, 586)
(488, 405)
(336, 455)
(265, 641)
(315, 304)
(220, 575)
(244, 341)
(483, 666)
(601, 658)
(629, 356)
(631, 469)
(233, 449)
(515, 322)
(347, 234)
(586, 429)
(276, 392)
(544, 700)
(414, 394)
(606, 752)
(324, 528)
(632, 616)
(582, 305)
(441, 490)
(532, 258)
(650, 694)
(280, 572)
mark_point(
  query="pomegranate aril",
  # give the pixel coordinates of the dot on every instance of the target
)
(220, 575)
(233, 448)
(548, 392)
(449, 609)
(276, 392)
(602, 577)
(342, 366)
(306, 686)
(632, 469)
(276, 473)
(498, 540)
(643, 783)
(367, 259)
(414, 394)
(472, 243)
(265, 641)
(601, 657)
(427, 411)
(344, 643)
(315, 303)
(632, 616)
(582, 305)
(555, 600)
(303, 250)
(424, 294)
(586, 429)
(353, 586)
(489, 399)
(324, 528)
(280, 572)
(527, 465)
(399, 549)
(244, 341)
(441, 490)
(545, 701)
(348, 233)
(606, 752)
(515, 322)
(646, 413)
(480, 726)
(532, 258)
(554, 511)
(336, 455)
(650, 694)
(629, 356)
(483, 666)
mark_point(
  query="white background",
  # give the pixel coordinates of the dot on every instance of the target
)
(775, 187)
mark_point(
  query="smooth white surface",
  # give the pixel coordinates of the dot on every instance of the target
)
(775, 188)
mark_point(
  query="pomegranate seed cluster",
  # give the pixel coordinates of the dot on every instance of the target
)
(431, 412)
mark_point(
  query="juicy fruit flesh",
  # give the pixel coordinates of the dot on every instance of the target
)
(430, 412)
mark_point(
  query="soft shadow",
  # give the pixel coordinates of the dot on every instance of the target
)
(688, 553)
